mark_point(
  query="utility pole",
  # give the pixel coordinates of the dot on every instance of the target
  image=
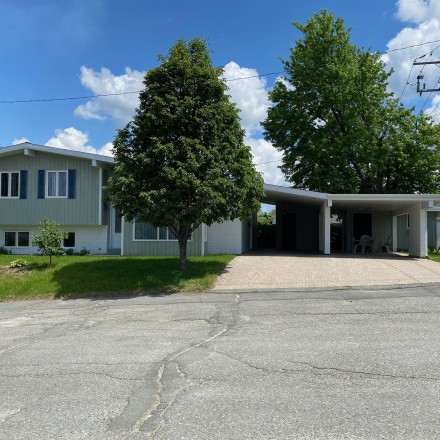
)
(420, 77)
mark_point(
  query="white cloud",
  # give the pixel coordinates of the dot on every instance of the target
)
(17, 141)
(267, 160)
(119, 107)
(73, 139)
(250, 95)
(417, 11)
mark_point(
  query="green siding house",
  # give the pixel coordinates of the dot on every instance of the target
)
(67, 186)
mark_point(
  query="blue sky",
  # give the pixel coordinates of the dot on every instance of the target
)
(71, 48)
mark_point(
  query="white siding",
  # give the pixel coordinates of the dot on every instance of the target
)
(225, 238)
(418, 232)
(93, 238)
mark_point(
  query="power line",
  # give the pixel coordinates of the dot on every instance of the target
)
(102, 95)
(409, 47)
(270, 161)
(71, 98)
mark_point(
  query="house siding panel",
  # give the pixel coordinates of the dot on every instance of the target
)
(225, 238)
(159, 247)
(93, 238)
(83, 210)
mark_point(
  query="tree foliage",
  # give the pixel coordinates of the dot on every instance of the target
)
(181, 161)
(49, 240)
(339, 128)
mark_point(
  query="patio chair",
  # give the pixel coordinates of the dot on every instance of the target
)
(387, 245)
(365, 244)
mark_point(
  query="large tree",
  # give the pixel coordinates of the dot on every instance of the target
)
(339, 128)
(181, 161)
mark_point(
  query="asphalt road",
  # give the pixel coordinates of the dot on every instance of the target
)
(339, 364)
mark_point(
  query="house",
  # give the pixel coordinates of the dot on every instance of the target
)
(68, 186)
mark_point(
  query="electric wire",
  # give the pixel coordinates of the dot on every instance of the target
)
(102, 95)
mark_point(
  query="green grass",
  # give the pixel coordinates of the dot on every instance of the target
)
(78, 276)
(434, 256)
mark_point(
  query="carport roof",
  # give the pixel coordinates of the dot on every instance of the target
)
(377, 202)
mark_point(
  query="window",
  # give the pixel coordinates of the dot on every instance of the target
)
(146, 231)
(23, 239)
(69, 242)
(14, 239)
(56, 184)
(9, 184)
(10, 239)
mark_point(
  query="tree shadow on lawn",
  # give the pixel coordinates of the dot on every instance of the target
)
(131, 277)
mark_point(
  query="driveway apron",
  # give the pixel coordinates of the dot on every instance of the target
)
(264, 270)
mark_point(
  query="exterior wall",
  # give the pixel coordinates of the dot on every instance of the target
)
(93, 238)
(418, 231)
(307, 226)
(83, 210)
(225, 238)
(158, 247)
(381, 227)
(433, 226)
(402, 233)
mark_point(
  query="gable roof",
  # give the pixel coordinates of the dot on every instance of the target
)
(28, 149)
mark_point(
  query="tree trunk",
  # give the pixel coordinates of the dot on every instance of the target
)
(182, 253)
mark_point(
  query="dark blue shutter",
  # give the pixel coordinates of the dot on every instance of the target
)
(72, 184)
(23, 184)
(41, 174)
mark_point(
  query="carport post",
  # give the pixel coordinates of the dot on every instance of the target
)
(324, 227)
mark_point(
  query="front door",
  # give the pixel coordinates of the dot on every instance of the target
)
(362, 225)
(289, 231)
(115, 231)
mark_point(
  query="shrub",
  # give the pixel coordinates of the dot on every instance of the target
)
(4, 251)
(84, 251)
(69, 251)
(49, 239)
(19, 262)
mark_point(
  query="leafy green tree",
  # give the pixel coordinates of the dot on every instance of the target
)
(49, 240)
(339, 128)
(182, 161)
(266, 218)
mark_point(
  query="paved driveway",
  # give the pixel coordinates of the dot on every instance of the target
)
(270, 270)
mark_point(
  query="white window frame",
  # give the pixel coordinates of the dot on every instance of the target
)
(57, 196)
(163, 240)
(16, 244)
(10, 173)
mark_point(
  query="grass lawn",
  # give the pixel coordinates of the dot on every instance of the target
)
(87, 276)
(434, 256)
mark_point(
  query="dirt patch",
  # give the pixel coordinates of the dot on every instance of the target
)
(16, 272)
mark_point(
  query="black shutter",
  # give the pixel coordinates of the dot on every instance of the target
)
(72, 184)
(41, 175)
(23, 184)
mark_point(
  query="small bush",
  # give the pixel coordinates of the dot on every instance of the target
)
(19, 262)
(4, 251)
(84, 251)
(69, 251)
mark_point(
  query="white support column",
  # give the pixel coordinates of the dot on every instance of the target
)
(418, 231)
(324, 227)
(394, 241)
(122, 235)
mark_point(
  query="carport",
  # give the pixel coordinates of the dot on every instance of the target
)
(303, 218)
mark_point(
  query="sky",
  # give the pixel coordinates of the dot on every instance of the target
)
(58, 49)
